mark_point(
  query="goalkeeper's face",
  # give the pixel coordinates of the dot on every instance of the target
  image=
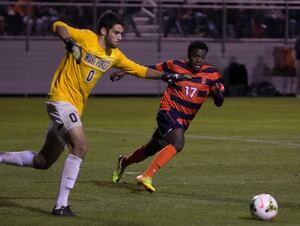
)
(114, 36)
(197, 58)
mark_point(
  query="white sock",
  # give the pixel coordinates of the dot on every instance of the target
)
(68, 179)
(21, 158)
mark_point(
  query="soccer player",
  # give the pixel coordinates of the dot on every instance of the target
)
(178, 106)
(89, 56)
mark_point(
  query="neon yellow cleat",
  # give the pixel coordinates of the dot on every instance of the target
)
(117, 174)
(146, 182)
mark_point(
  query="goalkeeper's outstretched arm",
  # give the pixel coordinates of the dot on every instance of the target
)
(154, 74)
(165, 76)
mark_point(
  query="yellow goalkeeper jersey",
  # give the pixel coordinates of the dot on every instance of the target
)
(73, 82)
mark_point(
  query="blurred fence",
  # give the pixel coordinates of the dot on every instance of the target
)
(217, 19)
(245, 29)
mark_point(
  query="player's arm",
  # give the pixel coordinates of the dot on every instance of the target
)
(217, 93)
(127, 66)
(165, 71)
(153, 74)
(61, 30)
(166, 76)
(149, 74)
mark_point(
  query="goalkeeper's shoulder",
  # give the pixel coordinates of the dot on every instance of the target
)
(59, 23)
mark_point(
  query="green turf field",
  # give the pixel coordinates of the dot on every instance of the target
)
(247, 147)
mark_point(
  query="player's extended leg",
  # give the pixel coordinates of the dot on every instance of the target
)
(175, 138)
(19, 158)
(49, 153)
(78, 148)
(154, 145)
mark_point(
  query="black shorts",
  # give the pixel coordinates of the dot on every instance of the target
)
(167, 121)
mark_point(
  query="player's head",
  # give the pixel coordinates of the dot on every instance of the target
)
(111, 27)
(197, 52)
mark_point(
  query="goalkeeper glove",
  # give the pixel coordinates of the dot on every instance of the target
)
(171, 78)
(74, 49)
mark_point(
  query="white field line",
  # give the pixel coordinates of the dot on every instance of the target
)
(244, 140)
(196, 137)
(131, 172)
(137, 132)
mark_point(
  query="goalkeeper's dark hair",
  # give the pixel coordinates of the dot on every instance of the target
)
(197, 45)
(108, 19)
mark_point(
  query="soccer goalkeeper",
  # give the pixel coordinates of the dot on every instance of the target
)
(178, 106)
(89, 56)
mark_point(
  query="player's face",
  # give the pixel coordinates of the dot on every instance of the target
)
(197, 58)
(114, 36)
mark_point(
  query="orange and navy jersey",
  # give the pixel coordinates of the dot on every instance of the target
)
(183, 99)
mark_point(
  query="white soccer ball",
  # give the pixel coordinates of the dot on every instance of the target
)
(263, 207)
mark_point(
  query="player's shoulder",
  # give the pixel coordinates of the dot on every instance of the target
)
(208, 68)
(210, 72)
(87, 39)
(179, 62)
(180, 66)
(88, 32)
(117, 53)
